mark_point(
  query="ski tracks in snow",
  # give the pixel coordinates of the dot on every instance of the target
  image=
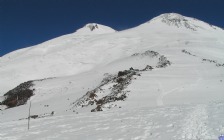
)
(195, 125)
(163, 93)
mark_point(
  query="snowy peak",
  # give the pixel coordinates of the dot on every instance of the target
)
(180, 21)
(172, 16)
(94, 28)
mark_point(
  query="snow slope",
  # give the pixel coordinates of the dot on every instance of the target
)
(65, 55)
(180, 101)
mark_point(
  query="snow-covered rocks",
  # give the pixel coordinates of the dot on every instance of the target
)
(113, 86)
(180, 21)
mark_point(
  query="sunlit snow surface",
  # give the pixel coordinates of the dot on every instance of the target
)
(182, 101)
(182, 122)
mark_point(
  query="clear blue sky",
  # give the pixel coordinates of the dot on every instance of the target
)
(24, 23)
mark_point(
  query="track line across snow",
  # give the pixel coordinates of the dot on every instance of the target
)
(195, 125)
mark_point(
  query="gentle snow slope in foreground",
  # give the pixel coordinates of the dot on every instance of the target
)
(183, 100)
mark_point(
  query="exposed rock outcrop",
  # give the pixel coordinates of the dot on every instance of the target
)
(19, 95)
(112, 87)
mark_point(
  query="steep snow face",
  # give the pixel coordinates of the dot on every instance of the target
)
(94, 28)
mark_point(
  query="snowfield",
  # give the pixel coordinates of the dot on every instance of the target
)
(163, 79)
(181, 122)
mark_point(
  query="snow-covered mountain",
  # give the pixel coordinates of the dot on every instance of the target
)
(94, 28)
(57, 57)
(164, 78)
